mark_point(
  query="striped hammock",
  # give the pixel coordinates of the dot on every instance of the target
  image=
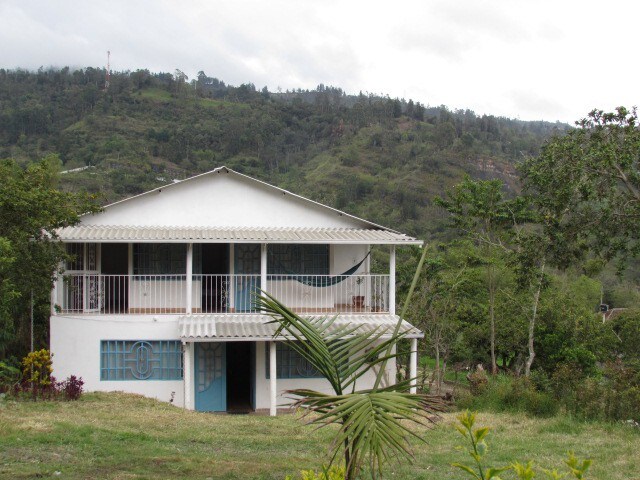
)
(321, 281)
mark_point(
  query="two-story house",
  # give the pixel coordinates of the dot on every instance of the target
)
(158, 298)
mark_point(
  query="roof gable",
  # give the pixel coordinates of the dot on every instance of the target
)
(223, 198)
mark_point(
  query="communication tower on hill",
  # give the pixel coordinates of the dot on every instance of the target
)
(107, 78)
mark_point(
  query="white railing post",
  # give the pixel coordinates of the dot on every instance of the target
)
(189, 279)
(413, 365)
(392, 280)
(272, 379)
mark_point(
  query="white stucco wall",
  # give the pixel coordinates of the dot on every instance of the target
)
(75, 344)
(220, 200)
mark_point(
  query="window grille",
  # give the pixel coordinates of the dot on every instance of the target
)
(298, 259)
(290, 364)
(76, 262)
(140, 360)
(159, 259)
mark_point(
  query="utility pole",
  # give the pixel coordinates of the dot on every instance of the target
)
(31, 318)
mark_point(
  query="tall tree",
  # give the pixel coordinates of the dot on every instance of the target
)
(447, 287)
(586, 188)
(480, 210)
(31, 209)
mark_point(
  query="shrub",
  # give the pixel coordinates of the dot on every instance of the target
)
(71, 387)
(36, 373)
(478, 381)
(36, 380)
(37, 368)
(614, 395)
(506, 393)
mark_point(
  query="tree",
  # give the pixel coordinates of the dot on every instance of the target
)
(585, 186)
(447, 287)
(480, 210)
(31, 209)
(585, 189)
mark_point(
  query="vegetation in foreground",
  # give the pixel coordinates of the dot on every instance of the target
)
(125, 436)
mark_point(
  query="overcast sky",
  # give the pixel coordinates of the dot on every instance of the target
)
(534, 59)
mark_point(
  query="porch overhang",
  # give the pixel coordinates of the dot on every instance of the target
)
(256, 327)
(168, 234)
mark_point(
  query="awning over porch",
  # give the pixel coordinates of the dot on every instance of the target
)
(230, 327)
(125, 234)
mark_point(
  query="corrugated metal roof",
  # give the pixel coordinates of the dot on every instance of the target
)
(247, 178)
(113, 233)
(256, 327)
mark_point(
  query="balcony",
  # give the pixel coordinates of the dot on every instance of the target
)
(174, 294)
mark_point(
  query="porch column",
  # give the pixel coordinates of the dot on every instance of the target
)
(272, 378)
(413, 365)
(188, 375)
(232, 282)
(130, 276)
(263, 267)
(392, 280)
(189, 282)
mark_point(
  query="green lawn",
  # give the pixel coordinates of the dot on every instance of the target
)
(117, 436)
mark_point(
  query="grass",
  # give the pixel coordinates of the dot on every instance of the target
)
(119, 436)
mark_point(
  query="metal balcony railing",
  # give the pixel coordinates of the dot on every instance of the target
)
(167, 294)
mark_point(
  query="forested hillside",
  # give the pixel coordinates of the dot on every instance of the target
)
(511, 281)
(381, 158)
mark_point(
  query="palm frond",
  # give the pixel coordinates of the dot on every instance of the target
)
(375, 424)
(340, 353)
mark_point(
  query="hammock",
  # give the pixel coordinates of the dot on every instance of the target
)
(319, 281)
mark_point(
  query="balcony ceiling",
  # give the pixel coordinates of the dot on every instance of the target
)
(239, 327)
(126, 234)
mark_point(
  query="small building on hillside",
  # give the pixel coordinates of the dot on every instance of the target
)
(159, 297)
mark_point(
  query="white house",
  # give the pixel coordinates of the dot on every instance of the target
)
(158, 300)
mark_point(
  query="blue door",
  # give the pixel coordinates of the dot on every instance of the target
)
(211, 377)
(247, 280)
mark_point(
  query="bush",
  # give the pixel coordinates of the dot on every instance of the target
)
(506, 393)
(71, 387)
(613, 395)
(37, 369)
(36, 380)
(478, 381)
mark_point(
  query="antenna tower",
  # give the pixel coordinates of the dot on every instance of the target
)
(107, 78)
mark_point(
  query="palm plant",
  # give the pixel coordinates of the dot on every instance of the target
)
(373, 427)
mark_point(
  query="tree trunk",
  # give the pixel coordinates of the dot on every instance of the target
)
(437, 371)
(532, 322)
(349, 473)
(492, 318)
